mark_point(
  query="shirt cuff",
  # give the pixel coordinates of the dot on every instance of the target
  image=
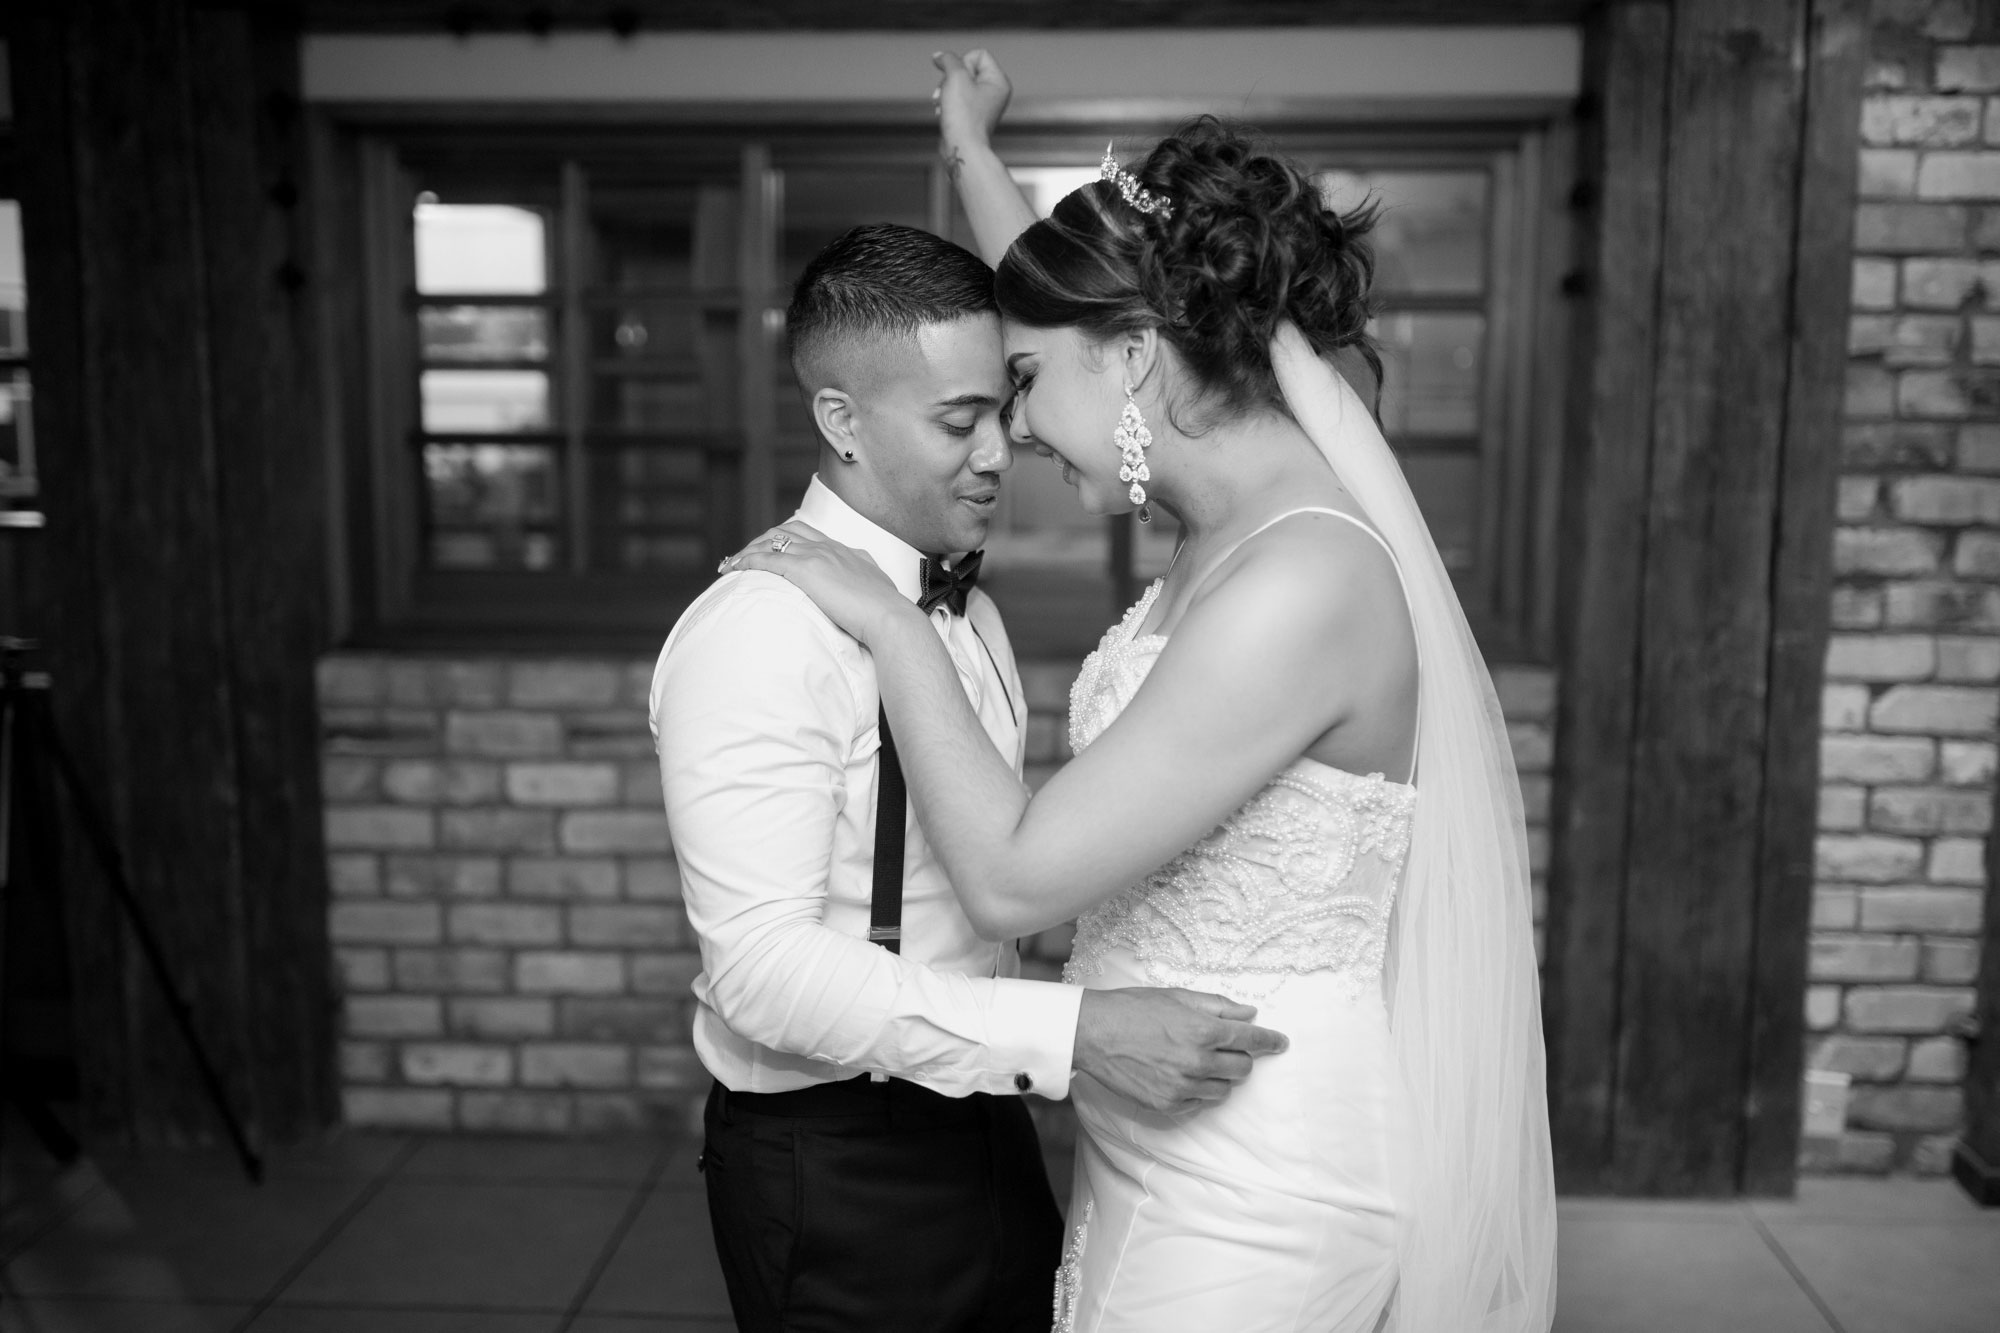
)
(1034, 1034)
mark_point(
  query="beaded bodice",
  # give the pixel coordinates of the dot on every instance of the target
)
(1300, 879)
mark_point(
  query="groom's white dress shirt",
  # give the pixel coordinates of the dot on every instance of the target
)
(764, 714)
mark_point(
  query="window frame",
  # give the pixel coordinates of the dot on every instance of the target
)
(384, 597)
(20, 494)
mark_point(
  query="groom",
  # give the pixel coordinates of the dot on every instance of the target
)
(870, 1162)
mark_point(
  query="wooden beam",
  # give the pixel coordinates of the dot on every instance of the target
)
(1735, 111)
(1695, 612)
(135, 486)
(1605, 476)
(183, 587)
(488, 16)
(43, 91)
(1801, 590)
(263, 402)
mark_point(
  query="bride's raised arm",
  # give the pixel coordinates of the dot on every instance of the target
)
(972, 93)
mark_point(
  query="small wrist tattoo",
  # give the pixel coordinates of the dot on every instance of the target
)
(954, 163)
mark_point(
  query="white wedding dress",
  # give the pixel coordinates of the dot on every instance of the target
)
(1277, 1209)
(1392, 1169)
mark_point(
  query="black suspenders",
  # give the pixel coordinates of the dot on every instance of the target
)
(885, 911)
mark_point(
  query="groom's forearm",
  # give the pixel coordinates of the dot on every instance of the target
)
(808, 991)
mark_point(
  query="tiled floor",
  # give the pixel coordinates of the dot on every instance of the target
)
(1850, 1256)
(389, 1234)
(373, 1233)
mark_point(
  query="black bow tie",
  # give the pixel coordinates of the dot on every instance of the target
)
(947, 587)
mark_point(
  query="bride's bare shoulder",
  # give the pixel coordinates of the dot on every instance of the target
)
(1315, 583)
(1313, 559)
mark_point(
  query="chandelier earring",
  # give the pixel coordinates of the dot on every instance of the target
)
(1133, 438)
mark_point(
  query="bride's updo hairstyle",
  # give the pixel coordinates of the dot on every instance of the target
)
(1248, 242)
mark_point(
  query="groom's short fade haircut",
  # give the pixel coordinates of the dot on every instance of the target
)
(879, 278)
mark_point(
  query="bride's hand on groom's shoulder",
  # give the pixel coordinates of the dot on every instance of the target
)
(848, 586)
(971, 95)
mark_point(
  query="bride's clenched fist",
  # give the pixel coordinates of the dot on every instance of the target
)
(971, 95)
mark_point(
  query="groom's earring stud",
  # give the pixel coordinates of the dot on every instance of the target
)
(848, 455)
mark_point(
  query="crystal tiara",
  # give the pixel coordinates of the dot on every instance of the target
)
(1128, 185)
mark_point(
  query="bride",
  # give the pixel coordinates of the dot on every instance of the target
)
(1292, 785)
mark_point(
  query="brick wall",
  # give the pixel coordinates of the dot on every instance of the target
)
(506, 916)
(506, 912)
(1907, 754)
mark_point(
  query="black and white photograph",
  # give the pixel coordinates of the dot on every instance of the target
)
(999, 666)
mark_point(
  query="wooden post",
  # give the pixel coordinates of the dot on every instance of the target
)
(160, 187)
(1610, 435)
(1975, 1163)
(1801, 589)
(1702, 491)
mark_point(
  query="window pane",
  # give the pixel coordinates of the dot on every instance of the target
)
(1039, 523)
(796, 430)
(653, 507)
(661, 331)
(1430, 372)
(484, 333)
(493, 249)
(17, 434)
(678, 236)
(668, 551)
(823, 202)
(1430, 237)
(1446, 483)
(491, 506)
(13, 283)
(1045, 186)
(485, 400)
(663, 366)
(667, 406)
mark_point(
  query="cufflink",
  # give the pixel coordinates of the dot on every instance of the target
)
(1022, 1083)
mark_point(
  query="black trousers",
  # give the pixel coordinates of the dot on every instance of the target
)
(859, 1207)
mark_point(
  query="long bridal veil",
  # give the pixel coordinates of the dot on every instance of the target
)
(1477, 1233)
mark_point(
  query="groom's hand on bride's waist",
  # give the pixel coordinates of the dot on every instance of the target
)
(1169, 1050)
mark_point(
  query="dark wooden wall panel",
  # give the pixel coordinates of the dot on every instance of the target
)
(1605, 475)
(1687, 747)
(1735, 105)
(139, 485)
(1801, 584)
(271, 481)
(183, 589)
(48, 151)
